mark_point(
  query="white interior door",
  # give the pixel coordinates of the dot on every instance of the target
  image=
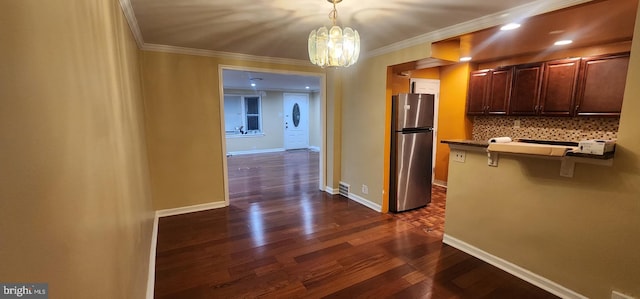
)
(430, 86)
(296, 120)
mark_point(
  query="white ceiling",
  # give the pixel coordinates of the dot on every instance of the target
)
(278, 29)
(236, 79)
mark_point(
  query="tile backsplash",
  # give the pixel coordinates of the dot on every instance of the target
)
(546, 128)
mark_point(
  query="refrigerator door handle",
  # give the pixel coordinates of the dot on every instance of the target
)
(416, 130)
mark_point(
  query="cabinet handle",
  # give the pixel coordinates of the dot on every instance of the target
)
(575, 111)
(535, 109)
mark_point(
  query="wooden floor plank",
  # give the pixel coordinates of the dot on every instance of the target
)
(283, 238)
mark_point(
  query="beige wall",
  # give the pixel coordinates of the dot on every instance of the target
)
(75, 206)
(580, 232)
(184, 134)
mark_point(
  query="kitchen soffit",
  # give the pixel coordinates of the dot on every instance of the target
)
(594, 23)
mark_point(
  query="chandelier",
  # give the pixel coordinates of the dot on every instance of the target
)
(335, 47)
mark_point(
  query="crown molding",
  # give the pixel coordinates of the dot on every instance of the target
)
(224, 55)
(520, 12)
(127, 9)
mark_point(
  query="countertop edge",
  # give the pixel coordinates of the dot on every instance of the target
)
(485, 144)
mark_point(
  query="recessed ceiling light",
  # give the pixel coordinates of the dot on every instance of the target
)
(253, 84)
(510, 26)
(465, 58)
(563, 42)
(306, 87)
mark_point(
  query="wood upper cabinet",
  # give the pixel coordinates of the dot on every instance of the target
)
(602, 83)
(477, 94)
(489, 91)
(525, 95)
(559, 87)
(499, 91)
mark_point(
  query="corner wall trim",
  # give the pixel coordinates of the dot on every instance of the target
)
(151, 276)
(191, 209)
(365, 202)
(332, 191)
(513, 269)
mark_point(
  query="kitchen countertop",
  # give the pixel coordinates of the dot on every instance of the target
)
(485, 144)
(477, 143)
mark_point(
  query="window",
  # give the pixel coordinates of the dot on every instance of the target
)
(242, 114)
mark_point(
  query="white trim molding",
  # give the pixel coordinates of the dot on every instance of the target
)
(191, 209)
(258, 151)
(314, 148)
(440, 183)
(130, 15)
(151, 276)
(365, 202)
(513, 269)
(332, 191)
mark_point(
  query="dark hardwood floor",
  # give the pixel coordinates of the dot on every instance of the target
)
(282, 238)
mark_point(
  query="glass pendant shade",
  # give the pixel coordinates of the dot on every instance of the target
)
(334, 47)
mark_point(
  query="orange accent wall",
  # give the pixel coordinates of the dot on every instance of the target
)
(430, 73)
(453, 123)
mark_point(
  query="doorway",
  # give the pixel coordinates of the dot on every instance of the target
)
(271, 135)
(430, 86)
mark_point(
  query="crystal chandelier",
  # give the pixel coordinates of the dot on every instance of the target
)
(334, 47)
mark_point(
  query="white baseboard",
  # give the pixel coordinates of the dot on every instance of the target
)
(151, 279)
(365, 202)
(191, 209)
(314, 148)
(440, 183)
(332, 191)
(513, 269)
(256, 151)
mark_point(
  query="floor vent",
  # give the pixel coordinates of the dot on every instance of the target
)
(344, 189)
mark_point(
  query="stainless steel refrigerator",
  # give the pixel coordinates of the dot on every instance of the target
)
(411, 151)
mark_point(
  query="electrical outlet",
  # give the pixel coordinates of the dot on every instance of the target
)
(459, 156)
(618, 295)
(516, 123)
(365, 189)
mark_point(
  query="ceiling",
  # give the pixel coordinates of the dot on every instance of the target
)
(279, 29)
(237, 79)
(594, 23)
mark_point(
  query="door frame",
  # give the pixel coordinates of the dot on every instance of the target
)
(436, 107)
(323, 120)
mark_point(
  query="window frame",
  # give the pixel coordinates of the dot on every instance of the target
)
(244, 98)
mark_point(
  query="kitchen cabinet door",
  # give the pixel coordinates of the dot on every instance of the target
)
(525, 95)
(499, 91)
(602, 83)
(478, 90)
(559, 87)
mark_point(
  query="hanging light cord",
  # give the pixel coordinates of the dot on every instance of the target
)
(333, 15)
